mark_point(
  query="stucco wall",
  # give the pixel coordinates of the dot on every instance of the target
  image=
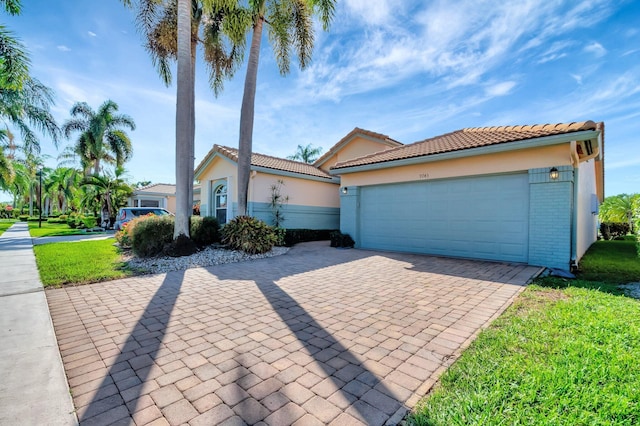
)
(356, 147)
(504, 162)
(587, 225)
(219, 170)
(302, 192)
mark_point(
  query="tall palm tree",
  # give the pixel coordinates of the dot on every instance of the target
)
(290, 28)
(307, 154)
(104, 192)
(620, 208)
(161, 24)
(14, 61)
(100, 135)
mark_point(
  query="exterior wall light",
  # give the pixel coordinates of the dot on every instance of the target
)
(344, 190)
(554, 174)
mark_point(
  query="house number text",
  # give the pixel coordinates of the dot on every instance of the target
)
(423, 176)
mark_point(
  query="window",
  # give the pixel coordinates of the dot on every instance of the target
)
(220, 200)
(149, 203)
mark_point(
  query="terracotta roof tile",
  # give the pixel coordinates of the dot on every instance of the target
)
(275, 163)
(473, 137)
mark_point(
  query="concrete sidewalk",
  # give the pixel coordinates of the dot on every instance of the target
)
(33, 388)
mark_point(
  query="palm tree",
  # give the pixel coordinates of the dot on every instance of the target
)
(290, 27)
(620, 208)
(107, 193)
(61, 185)
(7, 174)
(101, 137)
(307, 154)
(14, 66)
(162, 24)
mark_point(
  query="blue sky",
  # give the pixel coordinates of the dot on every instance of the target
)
(408, 69)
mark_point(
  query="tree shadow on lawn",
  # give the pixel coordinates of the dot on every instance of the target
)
(130, 370)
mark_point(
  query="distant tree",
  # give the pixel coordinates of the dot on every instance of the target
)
(307, 154)
(142, 183)
(62, 184)
(100, 136)
(106, 192)
(621, 208)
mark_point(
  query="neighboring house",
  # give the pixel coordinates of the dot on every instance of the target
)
(313, 194)
(159, 195)
(515, 193)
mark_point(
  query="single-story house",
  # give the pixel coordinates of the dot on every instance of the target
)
(313, 200)
(514, 193)
(161, 195)
(525, 194)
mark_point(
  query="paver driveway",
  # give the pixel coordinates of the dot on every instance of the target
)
(317, 336)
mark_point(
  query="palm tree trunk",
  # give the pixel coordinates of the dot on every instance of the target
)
(246, 118)
(192, 122)
(184, 138)
(96, 170)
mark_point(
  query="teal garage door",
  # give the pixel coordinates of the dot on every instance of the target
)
(480, 217)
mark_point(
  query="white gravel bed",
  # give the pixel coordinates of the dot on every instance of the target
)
(631, 290)
(208, 257)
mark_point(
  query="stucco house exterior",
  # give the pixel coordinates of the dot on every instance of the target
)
(514, 193)
(313, 194)
(525, 194)
(161, 195)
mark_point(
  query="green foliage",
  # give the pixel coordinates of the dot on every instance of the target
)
(89, 222)
(204, 230)
(150, 235)
(614, 230)
(277, 202)
(611, 261)
(338, 239)
(79, 262)
(295, 236)
(23, 217)
(281, 236)
(248, 234)
(563, 357)
(622, 208)
(307, 154)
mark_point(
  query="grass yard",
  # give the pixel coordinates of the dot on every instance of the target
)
(79, 262)
(52, 229)
(565, 353)
(6, 224)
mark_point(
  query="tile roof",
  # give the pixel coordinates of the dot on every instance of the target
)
(356, 130)
(275, 163)
(160, 188)
(474, 137)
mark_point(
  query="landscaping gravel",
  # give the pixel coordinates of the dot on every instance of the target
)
(208, 257)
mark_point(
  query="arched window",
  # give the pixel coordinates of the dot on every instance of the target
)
(220, 201)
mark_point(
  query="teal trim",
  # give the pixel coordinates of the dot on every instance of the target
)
(470, 152)
(298, 216)
(350, 213)
(574, 218)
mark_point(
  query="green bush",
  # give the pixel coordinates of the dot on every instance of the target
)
(35, 219)
(71, 222)
(204, 230)
(295, 236)
(281, 235)
(63, 218)
(150, 235)
(338, 239)
(23, 217)
(248, 234)
(613, 230)
(90, 221)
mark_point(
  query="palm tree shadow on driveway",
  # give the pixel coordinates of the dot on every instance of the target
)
(130, 370)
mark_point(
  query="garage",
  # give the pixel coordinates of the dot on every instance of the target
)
(481, 217)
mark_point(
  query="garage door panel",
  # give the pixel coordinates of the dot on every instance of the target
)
(479, 217)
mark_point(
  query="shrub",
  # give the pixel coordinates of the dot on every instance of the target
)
(612, 230)
(71, 222)
(150, 235)
(63, 218)
(204, 230)
(248, 234)
(35, 219)
(90, 222)
(281, 236)
(338, 239)
(23, 217)
(295, 236)
(123, 236)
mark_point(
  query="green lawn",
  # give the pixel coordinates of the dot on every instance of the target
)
(565, 353)
(6, 224)
(52, 229)
(611, 261)
(79, 262)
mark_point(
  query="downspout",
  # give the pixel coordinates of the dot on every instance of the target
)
(575, 162)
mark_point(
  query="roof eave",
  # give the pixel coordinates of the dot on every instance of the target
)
(277, 172)
(347, 139)
(469, 152)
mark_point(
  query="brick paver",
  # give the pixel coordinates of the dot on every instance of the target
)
(317, 336)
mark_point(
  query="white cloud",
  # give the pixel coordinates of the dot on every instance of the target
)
(63, 48)
(91, 34)
(596, 48)
(378, 13)
(577, 78)
(500, 89)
